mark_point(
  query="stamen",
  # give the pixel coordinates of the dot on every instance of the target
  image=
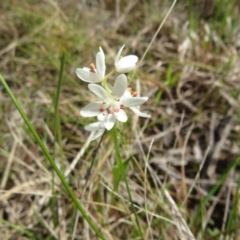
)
(134, 93)
(101, 109)
(92, 68)
(121, 106)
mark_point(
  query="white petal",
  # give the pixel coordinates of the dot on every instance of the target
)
(126, 64)
(101, 116)
(86, 69)
(133, 101)
(109, 121)
(100, 63)
(120, 85)
(93, 126)
(98, 134)
(87, 76)
(121, 116)
(127, 94)
(141, 114)
(91, 110)
(119, 54)
(98, 91)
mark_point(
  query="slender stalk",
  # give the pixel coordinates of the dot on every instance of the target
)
(104, 83)
(51, 160)
(18, 228)
(120, 163)
(57, 119)
(216, 187)
(57, 139)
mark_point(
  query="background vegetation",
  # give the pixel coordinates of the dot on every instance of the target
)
(183, 169)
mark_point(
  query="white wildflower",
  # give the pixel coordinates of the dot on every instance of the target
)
(93, 74)
(125, 64)
(110, 107)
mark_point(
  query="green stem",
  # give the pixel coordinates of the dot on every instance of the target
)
(50, 159)
(120, 163)
(104, 83)
(57, 119)
(57, 139)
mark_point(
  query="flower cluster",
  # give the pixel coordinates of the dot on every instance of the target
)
(112, 99)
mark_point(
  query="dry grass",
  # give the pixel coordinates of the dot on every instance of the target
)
(191, 76)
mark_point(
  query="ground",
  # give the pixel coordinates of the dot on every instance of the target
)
(182, 174)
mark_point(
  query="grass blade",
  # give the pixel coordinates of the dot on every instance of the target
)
(51, 160)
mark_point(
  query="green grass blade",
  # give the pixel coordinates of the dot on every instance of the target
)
(216, 187)
(51, 160)
(57, 138)
(233, 219)
(19, 229)
(57, 119)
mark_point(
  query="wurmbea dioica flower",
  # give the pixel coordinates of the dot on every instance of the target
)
(93, 74)
(111, 106)
(125, 64)
(113, 99)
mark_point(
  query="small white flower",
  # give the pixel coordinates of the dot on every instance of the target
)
(93, 74)
(125, 64)
(110, 108)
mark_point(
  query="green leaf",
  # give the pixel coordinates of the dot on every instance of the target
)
(118, 172)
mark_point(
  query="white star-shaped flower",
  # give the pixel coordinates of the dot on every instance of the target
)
(110, 107)
(94, 74)
(125, 64)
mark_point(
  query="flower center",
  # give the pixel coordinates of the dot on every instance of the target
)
(111, 107)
